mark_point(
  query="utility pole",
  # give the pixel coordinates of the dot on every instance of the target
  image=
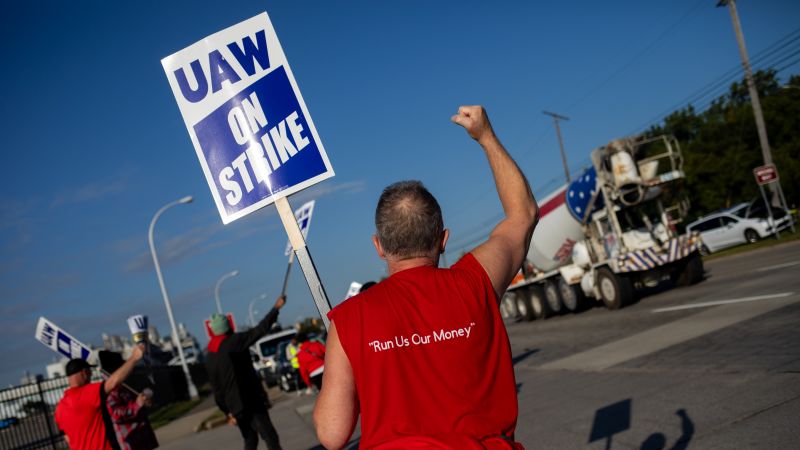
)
(556, 118)
(751, 87)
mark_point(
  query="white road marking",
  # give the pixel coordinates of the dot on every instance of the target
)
(778, 266)
(663, 336)
(723, 302)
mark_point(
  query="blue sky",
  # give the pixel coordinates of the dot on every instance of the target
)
(94, 144)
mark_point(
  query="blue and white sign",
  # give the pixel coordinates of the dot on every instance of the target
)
(248, 122)
(60, 341)
(303, 217)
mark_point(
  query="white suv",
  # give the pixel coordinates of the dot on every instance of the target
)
(265, 359)
(726, 229)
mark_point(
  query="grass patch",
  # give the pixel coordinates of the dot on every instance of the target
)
(217, 414)
(172, 411)
(786, 236)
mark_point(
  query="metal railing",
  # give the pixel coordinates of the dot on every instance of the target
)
(27, 415)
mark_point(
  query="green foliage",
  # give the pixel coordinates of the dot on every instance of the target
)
(310, 325)
(721, 146)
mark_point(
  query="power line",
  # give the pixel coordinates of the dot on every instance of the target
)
(728, 76)
(704, 102)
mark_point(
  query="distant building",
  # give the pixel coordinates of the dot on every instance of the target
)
(57, 369)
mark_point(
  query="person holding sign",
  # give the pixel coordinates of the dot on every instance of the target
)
(237, 390)
(423, 355)
(79, 414)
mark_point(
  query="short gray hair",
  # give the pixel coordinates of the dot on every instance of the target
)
(408, 220)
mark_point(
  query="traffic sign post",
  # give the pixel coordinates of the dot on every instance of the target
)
(250, 127)
(765, 175)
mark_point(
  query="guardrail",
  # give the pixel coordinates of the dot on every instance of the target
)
(26, 415)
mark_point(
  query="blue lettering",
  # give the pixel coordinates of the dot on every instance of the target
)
(251, 52)
(220, 71)
(193, 95)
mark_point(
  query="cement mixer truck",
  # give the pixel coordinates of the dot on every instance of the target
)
(608, 233)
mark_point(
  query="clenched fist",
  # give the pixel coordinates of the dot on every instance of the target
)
(475, 120)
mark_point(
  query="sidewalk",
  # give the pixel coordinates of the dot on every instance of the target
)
(291, 415)
(185, 426)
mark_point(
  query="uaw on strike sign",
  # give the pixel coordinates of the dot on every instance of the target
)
(248, 122)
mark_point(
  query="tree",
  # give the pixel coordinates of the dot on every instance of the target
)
(721, 147)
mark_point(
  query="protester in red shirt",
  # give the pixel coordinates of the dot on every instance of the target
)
(423, 356)
(79, 414)
(311, 358)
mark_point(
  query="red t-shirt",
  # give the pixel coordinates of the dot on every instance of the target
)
(310, 357)
(79, 415)
(431, 360)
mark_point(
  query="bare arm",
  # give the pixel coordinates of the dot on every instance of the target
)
(120, 375)
(336, 412)
(503, 253)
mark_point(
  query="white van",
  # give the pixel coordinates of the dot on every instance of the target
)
(265, 361)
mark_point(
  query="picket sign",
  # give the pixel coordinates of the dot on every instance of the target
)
(250, 127)
(61, 342)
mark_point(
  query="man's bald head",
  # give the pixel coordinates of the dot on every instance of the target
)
(408, 221)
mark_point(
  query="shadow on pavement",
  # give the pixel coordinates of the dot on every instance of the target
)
(523, 355)
(616, 418)
(657, 441)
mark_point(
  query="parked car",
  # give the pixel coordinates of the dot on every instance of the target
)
(757, 209)
(266, 361)
(732, 227)
(8, 422)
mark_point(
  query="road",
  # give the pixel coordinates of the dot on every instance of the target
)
(664, 373)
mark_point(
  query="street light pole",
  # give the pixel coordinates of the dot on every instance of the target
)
(216, 288)
(250, 308)
(556, 118)
(751, 85)
(176, 341)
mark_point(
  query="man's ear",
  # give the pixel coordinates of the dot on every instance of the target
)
(445, 237)
(378, 247)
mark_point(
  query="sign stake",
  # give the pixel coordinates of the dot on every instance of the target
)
(304, 258)
(286, 277)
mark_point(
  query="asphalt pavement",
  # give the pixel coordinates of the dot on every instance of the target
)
(711, 366)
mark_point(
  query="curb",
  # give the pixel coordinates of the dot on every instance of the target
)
(210, 424)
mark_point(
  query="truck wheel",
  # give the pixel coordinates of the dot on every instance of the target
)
(524, 307)
(573, 297)
(692, 272)
(553, 296)
(508, 306)
(616, 290)
(538, 301)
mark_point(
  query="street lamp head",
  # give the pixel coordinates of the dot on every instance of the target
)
(235, 272)
(187, 199)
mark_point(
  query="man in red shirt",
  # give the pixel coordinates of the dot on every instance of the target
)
(423, 356)
(311, 361)
(80, 413)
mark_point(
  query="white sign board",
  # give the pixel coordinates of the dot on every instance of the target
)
(248, 122)
(303, 215)
(60, 341)
(355, 288)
